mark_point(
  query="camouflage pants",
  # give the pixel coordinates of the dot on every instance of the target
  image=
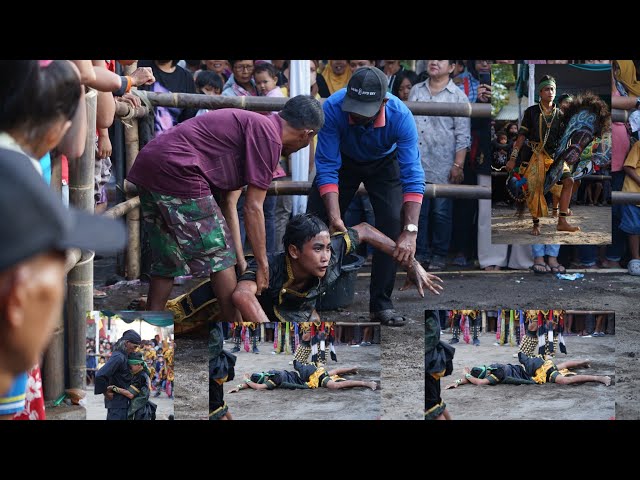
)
(188, 236)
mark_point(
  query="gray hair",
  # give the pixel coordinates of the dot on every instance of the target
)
(303, 112)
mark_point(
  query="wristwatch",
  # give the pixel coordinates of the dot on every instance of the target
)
(411, 228)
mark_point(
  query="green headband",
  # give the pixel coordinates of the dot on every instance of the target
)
(544, 83)
(135, 362)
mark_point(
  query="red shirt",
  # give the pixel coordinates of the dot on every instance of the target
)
(221, 150)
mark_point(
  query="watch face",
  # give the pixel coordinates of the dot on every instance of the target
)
(411, 228)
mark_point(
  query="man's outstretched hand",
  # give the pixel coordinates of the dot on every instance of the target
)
(418, 276)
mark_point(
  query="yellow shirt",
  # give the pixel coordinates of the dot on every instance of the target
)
(633, 160)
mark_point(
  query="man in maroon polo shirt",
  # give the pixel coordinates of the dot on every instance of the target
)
(179, 172)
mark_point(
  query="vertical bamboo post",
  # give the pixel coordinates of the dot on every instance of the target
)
(80, 278)
(53, 363)
(132, 146)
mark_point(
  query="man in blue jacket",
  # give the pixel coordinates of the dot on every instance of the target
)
(370, 136)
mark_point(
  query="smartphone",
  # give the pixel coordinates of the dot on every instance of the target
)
(485, 78)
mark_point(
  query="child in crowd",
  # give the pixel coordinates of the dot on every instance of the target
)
(209, 83)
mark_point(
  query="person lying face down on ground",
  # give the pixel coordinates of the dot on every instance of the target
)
(533, 370)
(310, 264)
(305, 376)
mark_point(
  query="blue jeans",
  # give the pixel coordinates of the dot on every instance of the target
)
(587, 255)
(540, 250)
(434, 228)
(618, 237)
(269, 209)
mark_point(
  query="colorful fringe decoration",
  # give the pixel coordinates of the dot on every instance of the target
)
(276, 337)
(563, 347)
(296, 336)
(263, 334)
(245, 338)
(464, 326)
(541, 332)
(498, 325)
(512, 328)
(287, 339)
(503, 327)
(332, 350)
(522, 328)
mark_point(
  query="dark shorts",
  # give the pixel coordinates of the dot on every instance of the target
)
(433, 404)
(188, 236)
(217, 405)
(630, 223)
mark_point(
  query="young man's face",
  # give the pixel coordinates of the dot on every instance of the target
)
(135, 368)
(548, 93)
(315, 255)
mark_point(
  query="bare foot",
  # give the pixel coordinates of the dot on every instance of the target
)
(564, 226)
(606, 381)
(535, 231)
(554, 212)
(610, 264)
(374, 385)
(585, 364)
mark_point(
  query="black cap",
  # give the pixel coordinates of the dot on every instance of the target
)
(35, 220)
(132, 336)
(366, 90)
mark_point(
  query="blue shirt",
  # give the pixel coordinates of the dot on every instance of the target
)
(13, 401)
(368, 143)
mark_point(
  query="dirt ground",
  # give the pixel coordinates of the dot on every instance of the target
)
(594, 222)
(191, 391)
(401, 349)
(589, 401)
(628, 369)
(317, 404)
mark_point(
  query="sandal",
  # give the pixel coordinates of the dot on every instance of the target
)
(388, 318)
(558, 269)
(540, 268)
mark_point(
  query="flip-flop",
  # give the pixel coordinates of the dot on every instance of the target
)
(558, 269)
(389, 318)
(544, 266)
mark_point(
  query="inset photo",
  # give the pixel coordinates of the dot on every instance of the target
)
(130, 365)
(512, 364)
(294, 371)
(551, 154)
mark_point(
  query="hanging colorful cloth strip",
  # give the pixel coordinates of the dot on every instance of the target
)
(503, 326)
(512, 328)
(522, 329)
(498, 325)
(245, 338)
(464, 326)
(287, 338)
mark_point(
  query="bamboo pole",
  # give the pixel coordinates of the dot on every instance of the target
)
(432, 190)
(124, 109)
(132, 147)
(123, 208)
(618, 115)
(267, 104)
(53, 360)
(80, 278)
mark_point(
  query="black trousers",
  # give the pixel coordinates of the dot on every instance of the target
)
(381, 178)
(117, 413)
